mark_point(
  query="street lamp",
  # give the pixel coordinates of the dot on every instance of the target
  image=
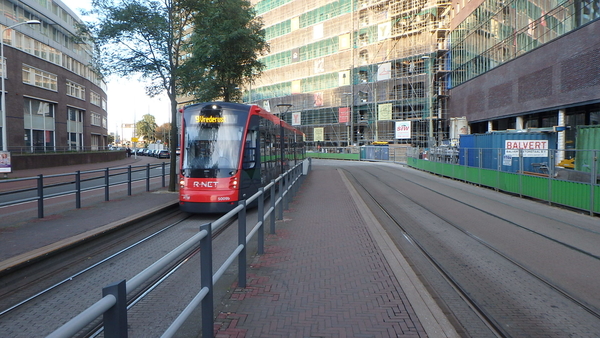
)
(3, 103)
(283, 109)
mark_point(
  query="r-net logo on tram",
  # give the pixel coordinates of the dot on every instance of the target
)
(205, 184)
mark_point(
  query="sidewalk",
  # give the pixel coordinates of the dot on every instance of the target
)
(330, 271)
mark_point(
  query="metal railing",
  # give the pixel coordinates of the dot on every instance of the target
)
(41, 188)
(24, 150)
(566, 177)
(113, 306)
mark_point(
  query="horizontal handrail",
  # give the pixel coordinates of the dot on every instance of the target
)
(81, 320)
(38, 185)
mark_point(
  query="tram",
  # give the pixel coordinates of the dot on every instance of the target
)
(230, 150)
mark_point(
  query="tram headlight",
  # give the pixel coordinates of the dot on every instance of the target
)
(182, 183)
(233, 183)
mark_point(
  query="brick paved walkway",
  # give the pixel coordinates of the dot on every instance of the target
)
(322, 275)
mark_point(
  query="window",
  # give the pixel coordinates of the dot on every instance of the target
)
(75, 128)
(36, 107)
(96, 119)
(39, 78)
(75, 90)
(95, 99)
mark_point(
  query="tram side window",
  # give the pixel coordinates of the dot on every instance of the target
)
(250, 149)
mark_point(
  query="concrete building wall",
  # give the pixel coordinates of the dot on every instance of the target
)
(560, 74)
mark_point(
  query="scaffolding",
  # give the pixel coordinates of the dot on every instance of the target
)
(352, 68)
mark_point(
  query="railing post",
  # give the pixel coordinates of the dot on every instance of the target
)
(164, 174)
(480, 164)
(285, 195)
(273, 207)
(594, 179)
(129, 181)
(499, 168)
(115, 319)
(206, 274)
(40, 189)
(280, 212)
(521, 167)
(261, 219)
(106, 184)
(242, 242)
(551, 156)
(78, 189)
(148, 177)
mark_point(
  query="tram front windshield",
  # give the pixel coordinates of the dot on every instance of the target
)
(212, 149)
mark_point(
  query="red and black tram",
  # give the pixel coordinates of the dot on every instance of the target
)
(230, 150)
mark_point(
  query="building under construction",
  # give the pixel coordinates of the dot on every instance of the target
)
(356, 71)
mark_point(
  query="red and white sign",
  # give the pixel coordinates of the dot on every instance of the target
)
(528, 148)
(403, 129)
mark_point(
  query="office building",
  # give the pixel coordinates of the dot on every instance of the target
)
(54, 100)
(526, 65)
(356, 71)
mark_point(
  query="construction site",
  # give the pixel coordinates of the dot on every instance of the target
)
(356, 71)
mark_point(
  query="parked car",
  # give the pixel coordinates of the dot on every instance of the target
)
(163, 154)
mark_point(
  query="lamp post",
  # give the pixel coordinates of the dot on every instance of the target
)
(3, 103)
(283, 109)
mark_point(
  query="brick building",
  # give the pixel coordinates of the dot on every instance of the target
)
(54, 99)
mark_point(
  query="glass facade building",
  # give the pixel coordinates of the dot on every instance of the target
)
(499, 31)
(352, 69)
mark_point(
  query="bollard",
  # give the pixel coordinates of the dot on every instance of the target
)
(78, 189)
(273, 206)
(242, 242)
(261, 220)
(115, 319)
(129, 181)
(148, 177)
(106, 185)
(40, 189)
(280, 212)
(206, 273)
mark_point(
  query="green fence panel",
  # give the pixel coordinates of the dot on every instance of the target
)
(572, 194)
(489, 178)
(334, 156)
(472, 175)
(596, 194)
(447, 169)
(568, 193)
(534, 186)
(509, 182)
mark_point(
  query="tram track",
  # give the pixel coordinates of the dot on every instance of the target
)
(138, 295)
(71, 277)
(488, 313)
(25, 289)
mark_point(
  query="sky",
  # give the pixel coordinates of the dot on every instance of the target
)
(127, 101)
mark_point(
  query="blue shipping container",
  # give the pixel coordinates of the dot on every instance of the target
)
(504, 151)
(375, 152)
